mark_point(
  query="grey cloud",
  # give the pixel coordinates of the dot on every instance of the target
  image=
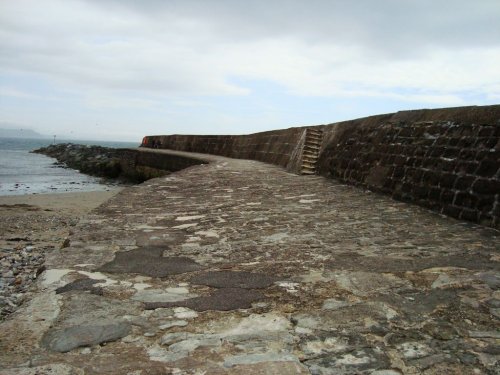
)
(386, 25)
(193, 46)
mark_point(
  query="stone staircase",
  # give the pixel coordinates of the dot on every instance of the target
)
(310, 153)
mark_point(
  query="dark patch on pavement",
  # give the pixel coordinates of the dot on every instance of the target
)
(231, 279)
(82, 284)
(224, 299)
(66, 339)
(421, 303)
(357, 262)
(149, 262)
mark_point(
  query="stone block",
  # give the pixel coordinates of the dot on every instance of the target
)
(486, 131)
(469, 214)
(398, 172)
(464, 183)
(465, 200)
(434, 194)
(447, 196)
(447, 180)
(486, 203)
(453, 142)
(486, 186)
(465, 142)
(430, 178)
(451, 210)
(487, 143)
(488, 168)
(420, 191)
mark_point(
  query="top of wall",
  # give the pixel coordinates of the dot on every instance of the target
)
(470, 114)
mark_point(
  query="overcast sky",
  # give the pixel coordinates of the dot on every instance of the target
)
(121, 69)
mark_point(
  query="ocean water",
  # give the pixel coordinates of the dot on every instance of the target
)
(22, 172)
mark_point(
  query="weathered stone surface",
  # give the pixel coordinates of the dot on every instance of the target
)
(230, 279)
(73, 337)
(159, 295)
(81, 284)
(359, 361)
(269, 368)
(51, 369)
(363, 284)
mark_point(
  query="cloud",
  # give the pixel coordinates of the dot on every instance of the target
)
(152, 54)
(313, 48)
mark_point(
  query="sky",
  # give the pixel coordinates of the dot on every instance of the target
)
(122, 69)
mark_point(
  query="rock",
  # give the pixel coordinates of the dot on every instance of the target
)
(359, 361)
(492, 279)
(70, 338)
(440, 330)
(495, 312)
(333, 304)
(184, 313)
(158, 295)
(174, 323)
(494, 303)
(171, 338)
(246, 359)
(485, 334)
(52, 369)
(269, 368)
(413, 350)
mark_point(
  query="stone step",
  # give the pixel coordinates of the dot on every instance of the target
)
(308, 172)
(313, 138)
(315, 131)
(314, 147)
(310, 159)
(310, 156)
(308, 167)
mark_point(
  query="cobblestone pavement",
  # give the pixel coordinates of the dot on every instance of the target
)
(238, 267)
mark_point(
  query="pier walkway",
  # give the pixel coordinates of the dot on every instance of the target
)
(238, 267)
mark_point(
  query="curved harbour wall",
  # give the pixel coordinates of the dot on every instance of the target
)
(447, 160)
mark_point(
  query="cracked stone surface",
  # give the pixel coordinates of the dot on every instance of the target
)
(238, 267)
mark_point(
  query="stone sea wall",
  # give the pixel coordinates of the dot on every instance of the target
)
(444, 159)
(125, 164)
(275, 147)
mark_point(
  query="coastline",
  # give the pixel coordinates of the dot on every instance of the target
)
(78, 203)
(30, 226)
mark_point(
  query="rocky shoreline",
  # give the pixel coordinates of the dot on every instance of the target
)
(28, 232)
(92, 160)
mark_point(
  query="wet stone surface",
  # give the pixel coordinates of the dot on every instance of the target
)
(224, 299)
(149, 262)
(230, 279)
(238, 267)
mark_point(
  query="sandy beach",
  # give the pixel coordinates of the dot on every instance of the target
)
(30, 226)
(67, 203)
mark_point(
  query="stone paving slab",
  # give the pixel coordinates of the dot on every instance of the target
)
(238, 267)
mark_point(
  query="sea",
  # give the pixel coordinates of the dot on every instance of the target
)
(22, 172)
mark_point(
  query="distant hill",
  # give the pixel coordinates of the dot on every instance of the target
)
(20, 133)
